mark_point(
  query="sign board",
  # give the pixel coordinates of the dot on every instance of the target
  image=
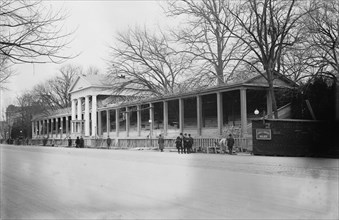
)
(263, 134)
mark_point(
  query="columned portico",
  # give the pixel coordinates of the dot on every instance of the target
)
(165, 103)
(86, 116)
(94, 115)
(243, 113)
(73, 114)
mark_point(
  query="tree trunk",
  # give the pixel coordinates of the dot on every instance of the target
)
(336, 95)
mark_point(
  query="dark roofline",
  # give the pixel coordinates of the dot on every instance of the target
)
(205, 91)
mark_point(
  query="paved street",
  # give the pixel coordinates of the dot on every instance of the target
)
(69, 183)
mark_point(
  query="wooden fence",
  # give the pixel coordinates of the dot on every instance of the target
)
(199, 145)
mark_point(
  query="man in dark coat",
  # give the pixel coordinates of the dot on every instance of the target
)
(178, 144)
(186, 143)
(82, 142)
(230, 143)
(77, 142)
(109, 142)
(69, 142)
(190, 143)
(161, 143)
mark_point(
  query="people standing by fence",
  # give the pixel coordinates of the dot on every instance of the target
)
(178, 144)
(190, 143)
(161, 143)
(182, 143)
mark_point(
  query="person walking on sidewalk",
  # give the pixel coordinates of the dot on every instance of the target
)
(161, 143)
(230, 143)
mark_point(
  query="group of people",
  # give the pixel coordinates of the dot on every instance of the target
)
(184, 143)
(79, 142)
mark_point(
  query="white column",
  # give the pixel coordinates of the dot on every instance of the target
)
(57, 126)
(79, 116)
(220, 112)
(99, 123)
(61, 126)
(86, 116)
(151, 117)
(108, 122)
(139, 120)
(73, 114)
(117, 122)
(67, 126)
(181, 115)
(165, 119)
(33, 129)
(94, 115)
(199, 114)
(243, 110)
(127, 121)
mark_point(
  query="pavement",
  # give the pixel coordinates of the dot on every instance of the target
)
(71, 183)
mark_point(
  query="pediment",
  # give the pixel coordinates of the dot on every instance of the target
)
(79, 84)
(280, 80)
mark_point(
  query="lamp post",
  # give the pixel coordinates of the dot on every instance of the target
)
(150, 128)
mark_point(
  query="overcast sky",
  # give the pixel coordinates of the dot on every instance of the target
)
(96, 22)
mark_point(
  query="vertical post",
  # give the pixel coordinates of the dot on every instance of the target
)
(199, 115)
(56, 127)
(48, 127)
(139, 120)
(181, 115)
(67, 125)
(73, 114)
(151, 117)
(127, 121)
(108, 122)
(220, 112)
(86, 116)
(165, 119)
(269, 104)
(79, 116)
(117, 123)
(52, 126)
(94, 115)
(40, 128)
(99, 123)
(243, 109)
(33, 129)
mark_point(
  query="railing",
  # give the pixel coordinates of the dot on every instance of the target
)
(199, 144)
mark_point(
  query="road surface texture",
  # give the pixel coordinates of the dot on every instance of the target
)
(71, 183)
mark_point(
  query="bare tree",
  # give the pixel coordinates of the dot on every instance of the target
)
(31, 32)
(323, 26)
(6, 72)
(144, 63)
(207, 35)
(54, 93)
(267, 27)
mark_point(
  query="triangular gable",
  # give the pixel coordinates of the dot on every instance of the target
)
(280, 80)
(79, 83)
